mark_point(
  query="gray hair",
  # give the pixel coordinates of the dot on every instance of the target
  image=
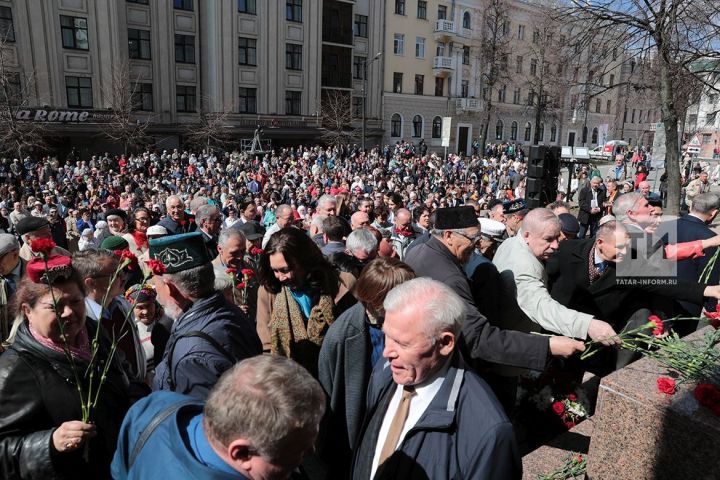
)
(317, 222)
(441, 309)
(204, 212)
(195, 282)
(282, 209)
(198, 202)
(361, 240)
(326, 198)
(264, 399)
(91, 263)
(625, 203)
(227, 234)
(170, 198)
(705, 202)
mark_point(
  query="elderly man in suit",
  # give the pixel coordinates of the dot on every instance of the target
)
(591, 200)
(521, 263)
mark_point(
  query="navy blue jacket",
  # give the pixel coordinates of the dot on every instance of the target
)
(688, 229)
(196, 364)
(165, 453)
(463, 434)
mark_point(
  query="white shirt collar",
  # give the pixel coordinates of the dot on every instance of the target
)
(94, 307)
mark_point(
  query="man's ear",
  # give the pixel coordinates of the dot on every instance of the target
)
(446, 343)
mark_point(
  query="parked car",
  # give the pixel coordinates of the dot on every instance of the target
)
(608, 151)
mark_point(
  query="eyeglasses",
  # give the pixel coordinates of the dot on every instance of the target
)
(473, 240)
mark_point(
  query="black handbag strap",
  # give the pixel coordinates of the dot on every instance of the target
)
(152, 426)
(197, 333)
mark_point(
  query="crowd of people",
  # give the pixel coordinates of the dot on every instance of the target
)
(312, 312)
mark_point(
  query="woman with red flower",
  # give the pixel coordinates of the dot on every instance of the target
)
(137, 235)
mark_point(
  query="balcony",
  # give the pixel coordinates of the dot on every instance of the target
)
(468, 104)
(444, 30)
(443, 66)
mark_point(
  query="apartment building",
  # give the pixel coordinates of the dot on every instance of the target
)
(435, 67)
(265, 62)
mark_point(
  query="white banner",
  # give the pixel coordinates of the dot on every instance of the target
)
(446, 124)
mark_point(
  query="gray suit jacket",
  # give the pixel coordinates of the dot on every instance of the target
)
(524, 275)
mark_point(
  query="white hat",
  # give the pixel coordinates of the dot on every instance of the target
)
(156, 230)
(492, 229)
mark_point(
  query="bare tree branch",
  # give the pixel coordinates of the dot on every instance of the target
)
(336, 118)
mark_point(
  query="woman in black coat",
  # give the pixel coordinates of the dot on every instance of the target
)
(41, 435)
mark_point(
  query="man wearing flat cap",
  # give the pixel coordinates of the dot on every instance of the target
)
(441, 258)
(210, 334)
(32, 228)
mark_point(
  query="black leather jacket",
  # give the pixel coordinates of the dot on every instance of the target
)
(38, 394)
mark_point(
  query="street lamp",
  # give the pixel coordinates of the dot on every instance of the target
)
(367, 64)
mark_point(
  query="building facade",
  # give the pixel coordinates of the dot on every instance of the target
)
(264, 62)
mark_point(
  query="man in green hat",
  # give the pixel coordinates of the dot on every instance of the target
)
(210, 334)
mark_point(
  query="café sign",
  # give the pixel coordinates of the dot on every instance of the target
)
(60, 116)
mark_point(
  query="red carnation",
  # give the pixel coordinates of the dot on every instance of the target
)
(659, 326)
(572, 397)
(256, 251)
(666, 385)
(714, 318)
(570, 425)
(156, 267)
(558, 407)
(247, 272)
(42, 245)
(240, 285)
(708, 396)
(231, 271)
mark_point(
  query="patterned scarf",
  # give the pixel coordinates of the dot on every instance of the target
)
(140, 239)
(82, 351)
(291, 336)
(593, 271)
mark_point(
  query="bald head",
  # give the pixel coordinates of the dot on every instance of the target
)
(359, 220)
(536, 220)
(403, 217)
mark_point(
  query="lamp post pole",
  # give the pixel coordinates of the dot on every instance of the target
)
(364, 95)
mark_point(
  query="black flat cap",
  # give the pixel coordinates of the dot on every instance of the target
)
(455, 217)
(117, 213)
(569, 224)
(30, 224)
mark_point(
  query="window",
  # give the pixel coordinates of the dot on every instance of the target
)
(247, 6)
(183, 4)
(399, 44)
(185, 98)
(464, 88)
(247, 51)
(400, 7)
(79, 92)
(74, 32)
(422, 10)
(442, 12)
(440, 50)
(142, 97)
(293, 56)
(359, 68)
(513, 131)
(541, 133)
(419, 84)
(185, 48)
(141, 2)
(292, 102)
(397, 82)
(533, 67)
(504, 62)
(640, 117)
(584, 134)
(437, 127)
(357, 107)
(614, 54)
(519, 64)
(293, 10)
(139, 44)
(528, 131)
(466, 20)
(612, 80)
(521, 32)
(536, 36)
(417, 126)
(594, 138)
(516, 96)
(439, 86)
(420, 47)
(505, 30)
(553, 132)
(632, 120)
(360, 26)
(499, 130)
(597, 105)
(248, 100)
(466, 55)
(501, 94)
(531, 98)
(7, 29)
(395, 125)
(608, 106)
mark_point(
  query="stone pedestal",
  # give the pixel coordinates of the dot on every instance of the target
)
(640, 433)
